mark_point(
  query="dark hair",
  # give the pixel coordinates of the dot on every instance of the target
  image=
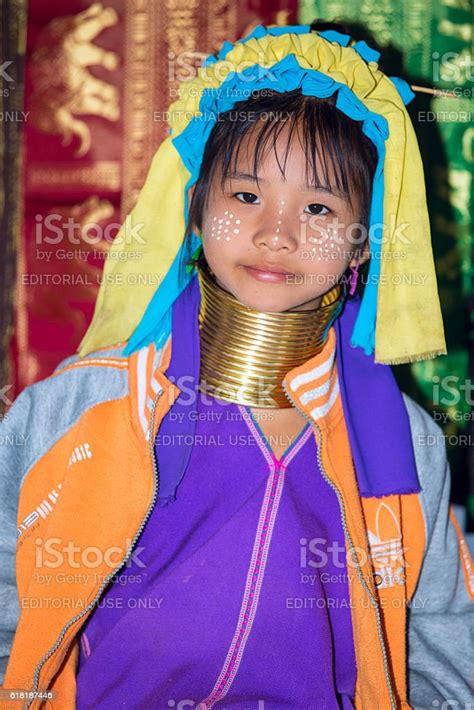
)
(351, 155)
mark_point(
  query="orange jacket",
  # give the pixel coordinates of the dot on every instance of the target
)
(67, 488)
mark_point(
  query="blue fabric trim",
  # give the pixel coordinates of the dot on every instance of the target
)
(403, 88)
(335, 36)
(155, 325)
(260, 31)
(367, 53)
(212, 59)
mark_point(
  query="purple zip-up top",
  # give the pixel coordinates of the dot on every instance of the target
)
(237, 596)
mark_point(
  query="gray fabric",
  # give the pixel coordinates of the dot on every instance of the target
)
(441, 617)
(116, 352)
(13, 454)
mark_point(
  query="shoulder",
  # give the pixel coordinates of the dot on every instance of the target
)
(78, 383)
(420, 420)
(44, 411)
(430, 457)
(105, 357)
(427, 436)
(85, 376)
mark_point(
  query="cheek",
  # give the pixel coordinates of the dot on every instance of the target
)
(324, 243)
(223, 226)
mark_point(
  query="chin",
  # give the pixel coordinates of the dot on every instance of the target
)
(266, 298)
(262, 303)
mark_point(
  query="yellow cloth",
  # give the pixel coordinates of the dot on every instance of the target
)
(130, 282)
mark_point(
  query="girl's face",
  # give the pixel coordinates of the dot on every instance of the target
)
(278, 244)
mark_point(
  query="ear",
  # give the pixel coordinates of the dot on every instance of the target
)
(361, 255)
(190, 197)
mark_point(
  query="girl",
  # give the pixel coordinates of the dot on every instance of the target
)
(236, 506)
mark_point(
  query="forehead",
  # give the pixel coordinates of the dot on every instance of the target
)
(280, 153)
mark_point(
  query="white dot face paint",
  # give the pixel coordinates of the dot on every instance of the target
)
(224, 226)
(278, 227)
(327, 244)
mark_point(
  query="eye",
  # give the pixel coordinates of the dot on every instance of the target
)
(316, 208)
(248, 197)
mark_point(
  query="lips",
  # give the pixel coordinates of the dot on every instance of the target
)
(269, 268)
(269, 273)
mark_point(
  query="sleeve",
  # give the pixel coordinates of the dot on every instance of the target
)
(17, 427)
(25, 431)
(441, 613)
(14, 440)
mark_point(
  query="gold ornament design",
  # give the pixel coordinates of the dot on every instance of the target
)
(62, 86)
(74, 234)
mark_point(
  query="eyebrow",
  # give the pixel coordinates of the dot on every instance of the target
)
(246, 176)
(322, 188)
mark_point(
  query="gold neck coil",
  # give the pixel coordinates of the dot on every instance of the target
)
(245, 354)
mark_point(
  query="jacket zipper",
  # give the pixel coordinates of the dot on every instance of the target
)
(156, 486)
(393, 705)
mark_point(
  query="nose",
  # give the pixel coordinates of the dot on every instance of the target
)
(276, 235)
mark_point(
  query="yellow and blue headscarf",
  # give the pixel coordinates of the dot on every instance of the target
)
(399, 318)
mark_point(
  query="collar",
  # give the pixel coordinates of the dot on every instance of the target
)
(340, 381)
(314, 386)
